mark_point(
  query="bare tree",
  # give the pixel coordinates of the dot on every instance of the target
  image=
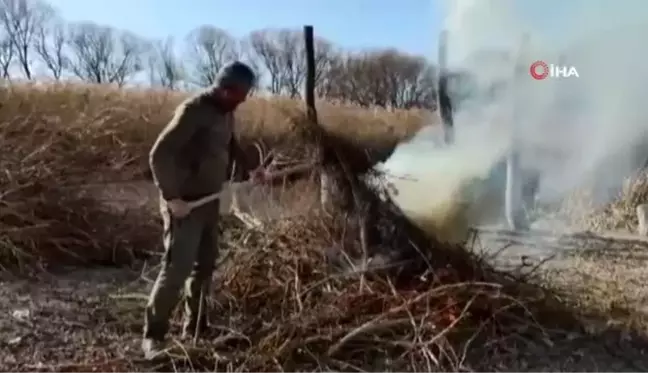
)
(21, 20)
(330, 70)
(281, 53)
(351, 78)
(268, 56)
(325, 59)
(165, 67)
(384, 78)
(50, 45)
(210, 48)
(102, 54)
(6, 55)
(248, 56)
(408, 80)
(289, 48)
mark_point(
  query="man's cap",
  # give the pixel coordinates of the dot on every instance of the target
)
(236, 73)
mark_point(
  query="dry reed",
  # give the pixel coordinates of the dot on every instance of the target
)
(57, 138)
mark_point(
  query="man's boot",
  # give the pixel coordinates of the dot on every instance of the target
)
(195, 316)
(152, 348)
(189, 326)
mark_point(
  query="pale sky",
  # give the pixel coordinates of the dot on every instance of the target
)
(352, 24)
(410, 25)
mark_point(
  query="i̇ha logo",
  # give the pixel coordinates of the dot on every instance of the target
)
(540, 70)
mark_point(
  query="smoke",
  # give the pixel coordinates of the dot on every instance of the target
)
(585, 131)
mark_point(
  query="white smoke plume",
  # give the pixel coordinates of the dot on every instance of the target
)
(585, 131)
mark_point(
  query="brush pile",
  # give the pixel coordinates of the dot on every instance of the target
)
(430, 307)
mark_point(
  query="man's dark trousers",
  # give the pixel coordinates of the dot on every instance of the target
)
(191, 250)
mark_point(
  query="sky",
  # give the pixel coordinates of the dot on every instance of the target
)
(355, 24)
(409, 25)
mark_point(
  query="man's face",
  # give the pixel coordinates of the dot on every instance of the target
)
(234, 96)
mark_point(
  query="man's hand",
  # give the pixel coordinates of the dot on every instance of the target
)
(260, 176)
(179, 208)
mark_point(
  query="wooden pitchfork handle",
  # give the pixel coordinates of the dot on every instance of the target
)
(237, 186)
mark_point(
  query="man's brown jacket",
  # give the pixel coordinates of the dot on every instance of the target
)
(193, 156)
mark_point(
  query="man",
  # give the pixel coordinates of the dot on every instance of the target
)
(190, 160)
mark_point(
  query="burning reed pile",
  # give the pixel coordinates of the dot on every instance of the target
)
(304, 295)
(428, 307)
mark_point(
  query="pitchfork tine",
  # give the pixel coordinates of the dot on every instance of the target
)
(268, 159)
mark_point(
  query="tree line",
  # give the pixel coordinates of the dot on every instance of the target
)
(34, 39)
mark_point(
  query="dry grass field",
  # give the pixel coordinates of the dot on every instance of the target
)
(76, 271)
(58, 138)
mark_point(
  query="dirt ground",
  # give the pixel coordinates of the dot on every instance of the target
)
(92, 317)
(597, 274)
(68, 316)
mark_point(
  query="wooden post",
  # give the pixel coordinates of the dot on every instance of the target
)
(445, 106)
(336, 190)
(310, 74)
(311, 110)
(328, 180)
